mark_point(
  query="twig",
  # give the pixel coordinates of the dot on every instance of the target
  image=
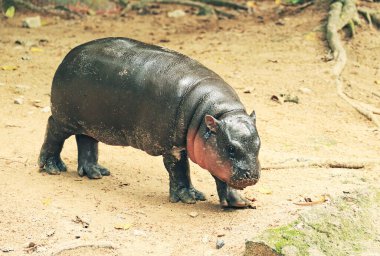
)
(9, 161)
(333, 164)
(63, 248)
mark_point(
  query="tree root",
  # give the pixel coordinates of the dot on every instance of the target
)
(373, 17)
(203, 6)
(341, 14)
(54, 10)
(328, 164)
(224, 4)
(105, 245)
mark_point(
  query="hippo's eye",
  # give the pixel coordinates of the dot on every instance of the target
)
(231, 151)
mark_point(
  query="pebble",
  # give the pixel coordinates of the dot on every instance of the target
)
(193, 214)
(138, 232)
(176, 14)
(45, 109)
(248, 90)
(305, 90)
(219, 243)
(205, 239)
(18, 101)
(7, 249)
(32, 22)
(290, 250)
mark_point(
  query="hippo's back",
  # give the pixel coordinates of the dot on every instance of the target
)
(123, 92)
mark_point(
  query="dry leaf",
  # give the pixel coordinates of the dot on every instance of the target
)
(36, 49)
(10, 12)
(123, 226)
(46, 201)
(266, 191)
(9, 67)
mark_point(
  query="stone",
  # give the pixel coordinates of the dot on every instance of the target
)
(248, 90)
(18, 101)
(176, 14)
(305, 90)
(45, 109)
(32, 22)
(219, 243)
(290, 250)
(193, 214)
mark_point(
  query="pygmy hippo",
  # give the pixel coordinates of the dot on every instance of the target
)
(123, 92)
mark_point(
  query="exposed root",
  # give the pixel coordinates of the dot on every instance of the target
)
(203, 8)
(373, 17)
(322, 164)
(344, 13)
(105, 245)
(224, 4)
(54, 10)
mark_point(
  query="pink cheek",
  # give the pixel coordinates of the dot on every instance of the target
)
(210, 160)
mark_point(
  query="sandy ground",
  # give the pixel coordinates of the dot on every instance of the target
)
(267, 58)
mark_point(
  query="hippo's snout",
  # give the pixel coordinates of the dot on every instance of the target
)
(243, 178)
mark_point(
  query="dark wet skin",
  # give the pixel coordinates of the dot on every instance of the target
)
(122, 92)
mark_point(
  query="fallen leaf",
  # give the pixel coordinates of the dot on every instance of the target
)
(123, 226)
(266, 191)
(10, 12)
(36, 49)
(9, 67)
(46, 201)
(251, 4)
(311, 36)
(277, 2)
(308, 201)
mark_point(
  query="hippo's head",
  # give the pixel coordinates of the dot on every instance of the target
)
(229, 149)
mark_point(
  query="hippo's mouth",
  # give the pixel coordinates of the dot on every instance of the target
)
(242, 184)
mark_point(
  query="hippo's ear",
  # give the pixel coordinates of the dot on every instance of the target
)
(253, 116)
(212, 123)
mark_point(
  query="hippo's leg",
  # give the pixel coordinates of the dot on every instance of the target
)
(88, 158)
(181, 188)
(49, 159)
(230, 197)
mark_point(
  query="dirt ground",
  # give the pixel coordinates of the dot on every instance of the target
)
(130, 208)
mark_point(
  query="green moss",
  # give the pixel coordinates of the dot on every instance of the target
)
(339, 228)
(286, 236)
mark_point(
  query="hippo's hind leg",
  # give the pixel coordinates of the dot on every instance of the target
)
(88, 158)
(49, 159)
(230, 197)
(181, 188)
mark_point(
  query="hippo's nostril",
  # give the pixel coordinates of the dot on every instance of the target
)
(247, 176)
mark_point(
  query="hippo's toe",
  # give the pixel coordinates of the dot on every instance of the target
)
(234, 200)
(52, 165)
(93, 171)
(186, 195)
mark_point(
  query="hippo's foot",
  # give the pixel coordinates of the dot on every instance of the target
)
(234, 200)
(186, 195)
(93, 171)
(230, 197)
(52, 165)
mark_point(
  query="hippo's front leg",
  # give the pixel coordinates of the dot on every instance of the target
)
(181, 189)
(230, 197)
